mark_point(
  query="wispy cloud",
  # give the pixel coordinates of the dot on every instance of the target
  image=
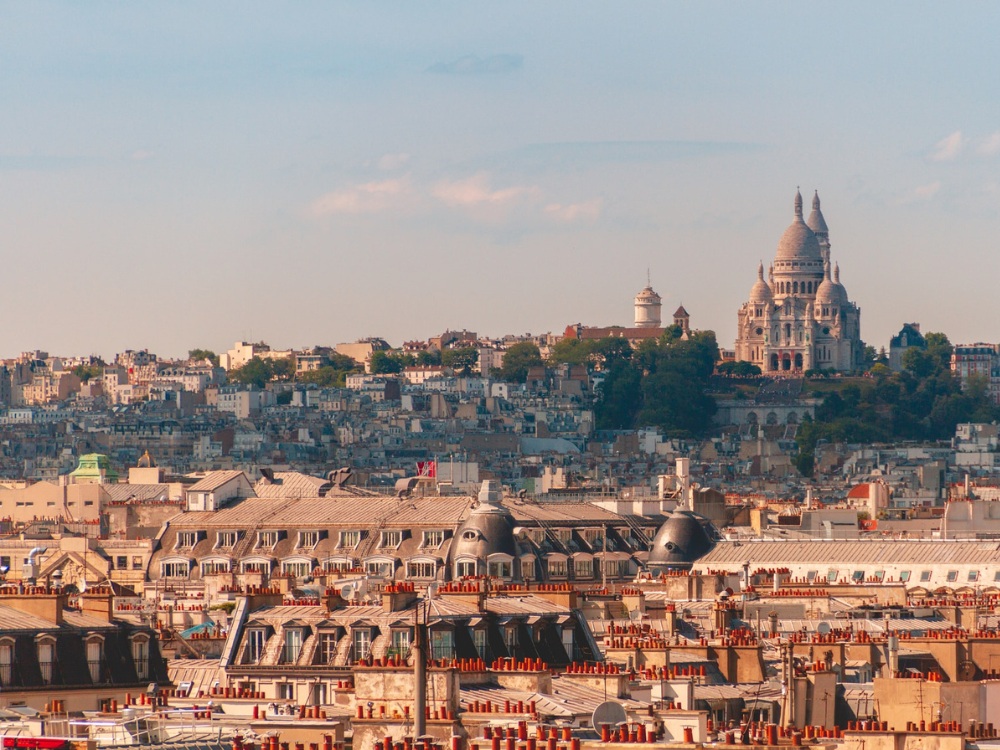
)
(477, 191)
(366, 198)
(921, 193)
(585, 211)
(474, 197)
(948, 147)
(475, 65)
(390, 162)
(990, 145)
(141, 155)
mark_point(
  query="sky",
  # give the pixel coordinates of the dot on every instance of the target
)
(189, 174)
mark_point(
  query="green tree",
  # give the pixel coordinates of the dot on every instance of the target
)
(88, 372)
(738, 369)
(283, 369)
(571, 351)
(518, 359)
(461, 360)
(389, 363)
(257, 372)
(200, 354)
(325, 377)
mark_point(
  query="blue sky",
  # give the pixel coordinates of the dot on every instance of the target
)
(177, 175)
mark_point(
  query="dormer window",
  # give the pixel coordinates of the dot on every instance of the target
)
(350, 539)
(187, 539)
(46, 649)
(95, 658)
(267, 538)
(293, 645)
(256, 640)
(392, 538)
(308, 538)
(228, 538)
(433, 538)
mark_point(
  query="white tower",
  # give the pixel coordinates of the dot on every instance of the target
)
(647, 308)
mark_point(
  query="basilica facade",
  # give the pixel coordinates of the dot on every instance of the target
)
(800, 318)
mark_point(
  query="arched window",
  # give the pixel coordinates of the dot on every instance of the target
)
(795, 287)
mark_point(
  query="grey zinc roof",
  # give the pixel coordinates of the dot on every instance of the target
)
(213, 480)
(733, 555)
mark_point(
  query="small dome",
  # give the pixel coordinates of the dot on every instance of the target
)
(647, 294)
(760, 292)
(680, 541)
(816, 221)
(488, 530)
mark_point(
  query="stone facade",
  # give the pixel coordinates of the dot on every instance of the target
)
(800, 318)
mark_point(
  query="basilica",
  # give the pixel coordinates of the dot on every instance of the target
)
(800, 317)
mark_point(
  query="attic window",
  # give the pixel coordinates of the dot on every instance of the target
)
(228, 538)
(267, 538)
(433, 538)
(469, 535)
(308, 538)
(392, 538)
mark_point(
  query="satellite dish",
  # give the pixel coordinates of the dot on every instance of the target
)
(823, 628)
(609, 712)
(347, 592)
(432, 590)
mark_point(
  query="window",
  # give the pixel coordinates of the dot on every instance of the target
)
(140, 657)
(350, 539)
(256, 638)
(267, 538)
(187, 539)
(286, 691)
(400, 643)
(952, 576)
(299, 569)
(510, 638)
(879, 575)
(177, 569)
(121, 562)
(858, 576)
(904, 576)
(831, 575)
(479, 639)
(996, 576)
(362, 642)
(925, 576)
(6, 662)
(616, 568)
(392, 538)
(327, 647)
(94, 659)
(228, 538)
(557, 568)
(214, 567)
(527, 569)
(811, 575)
(465, 568)
(293, 645)
(583, 568)
(137, 562)
(421, 569)
(442, 644)
(256, 567)
(433, 538)
(379, 568)
(973, 576)
(46, 658)
(5, 562)
(339, 565)
(499, 568)
(308, 538)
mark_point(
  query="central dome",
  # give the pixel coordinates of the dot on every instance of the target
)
(799, 242)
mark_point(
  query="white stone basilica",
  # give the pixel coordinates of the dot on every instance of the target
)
(800, 318)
